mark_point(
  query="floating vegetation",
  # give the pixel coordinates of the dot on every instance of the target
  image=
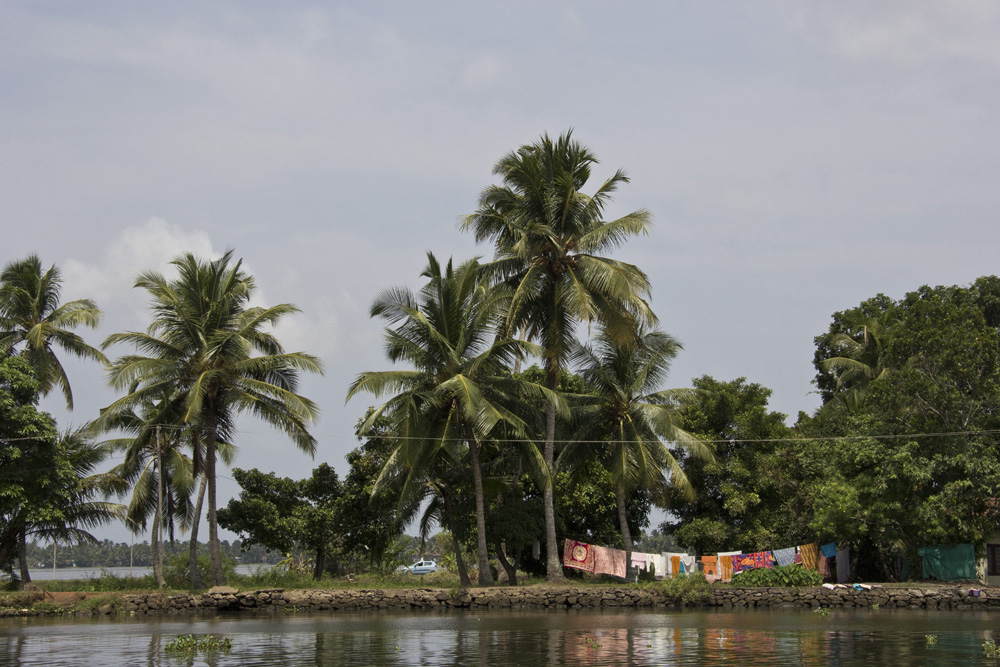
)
(192, 644)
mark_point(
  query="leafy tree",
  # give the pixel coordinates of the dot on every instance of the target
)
(625, 424)
(460, 388)
(750, 497)
(32, 319)
(284, 514)
(549, 237)
(916, 465)
(47, 485)
(200, 350)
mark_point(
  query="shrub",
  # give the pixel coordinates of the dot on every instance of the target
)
(690, 589)
(788, 575)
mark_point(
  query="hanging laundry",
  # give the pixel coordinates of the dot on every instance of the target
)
(675, 565)
(785, 557)
(829, 550)
(689, 563)
(659, 564)
(824, 567)
(673, 562)
(843, 566)
(726, 564)
(710, 567)
(639, 561)
(609, 561)
(578, 555)
(753, 561)
(810, 556)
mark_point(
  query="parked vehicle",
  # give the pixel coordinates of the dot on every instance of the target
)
(424, 567)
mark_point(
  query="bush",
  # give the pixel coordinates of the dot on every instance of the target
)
(690, 589)
(788, 575)
(106, 582)
(175, 570)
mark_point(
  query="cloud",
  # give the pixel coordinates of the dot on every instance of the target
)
(149, 246)
(913, 33)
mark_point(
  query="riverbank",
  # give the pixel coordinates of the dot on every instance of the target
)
(277, 600)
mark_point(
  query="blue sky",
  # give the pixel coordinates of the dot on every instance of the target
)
(797, 157)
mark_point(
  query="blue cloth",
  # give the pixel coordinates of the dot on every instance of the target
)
(785, 556)
(829, 550)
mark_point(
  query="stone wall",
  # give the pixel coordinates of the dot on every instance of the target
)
(279, 600)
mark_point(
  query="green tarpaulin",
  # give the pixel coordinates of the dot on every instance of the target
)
(946, 563)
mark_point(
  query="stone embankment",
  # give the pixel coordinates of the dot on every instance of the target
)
(278, 600)
(224, 599)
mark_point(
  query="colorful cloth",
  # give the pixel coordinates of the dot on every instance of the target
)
(829, 550)
(810, 556)
(609, 561)
(824, 566)
(710, 566)
(578, 555)
(754, 561)
(675, 565)
(785, 556)
(726, 564)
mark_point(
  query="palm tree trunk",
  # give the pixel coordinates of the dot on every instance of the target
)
(214, 552)
(509, 567)
(194, 573)
(553, 564)
(22, 555)
(155, 551)
(623, 519)
(485, 575)
(463, 574)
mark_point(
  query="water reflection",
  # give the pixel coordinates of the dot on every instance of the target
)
(792, 637)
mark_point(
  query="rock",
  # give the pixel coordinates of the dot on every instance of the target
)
(223, 590)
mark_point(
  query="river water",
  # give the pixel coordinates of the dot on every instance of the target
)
(510, 637)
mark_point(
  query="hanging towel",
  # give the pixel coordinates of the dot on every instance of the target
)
(609, 561)
(710, 567)
(639, 561)
(659, 565)
(578, 555)
(785, 557)
(829, 550)
(824, 567)
(689, 563)
(810, 556)
(675, 565)
(726, 564)
(843, 566)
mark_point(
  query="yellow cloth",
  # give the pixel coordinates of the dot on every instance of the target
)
(810, 556)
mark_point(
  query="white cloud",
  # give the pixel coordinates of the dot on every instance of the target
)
(914, 33)
(149, 246)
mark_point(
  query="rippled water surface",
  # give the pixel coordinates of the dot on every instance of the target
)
(553, 637)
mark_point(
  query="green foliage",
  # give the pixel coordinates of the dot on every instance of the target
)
(691, 589)
(786, 576)
(990, 649)
(175, 570)
(750, 497)
(106, 581)
(206, 644)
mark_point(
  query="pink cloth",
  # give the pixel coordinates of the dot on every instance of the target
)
(609, 561)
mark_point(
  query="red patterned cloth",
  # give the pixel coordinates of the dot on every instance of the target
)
(579, 555)
(760, 559)
(609, 561)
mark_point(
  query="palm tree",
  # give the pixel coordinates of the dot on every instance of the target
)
(861, 361)
(207, 348)
(548, 238)
(624, 425)
(30, 314)
(460, 387)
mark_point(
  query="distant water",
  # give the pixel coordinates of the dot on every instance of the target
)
(63, 573)
(530, 638)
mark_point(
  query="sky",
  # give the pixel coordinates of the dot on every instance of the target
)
(797, 158)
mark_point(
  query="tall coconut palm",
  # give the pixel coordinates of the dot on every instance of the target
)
(861, 360)
(549, 237)
(460, 387)
(627, 424)
(207, 347)
(33, 320)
